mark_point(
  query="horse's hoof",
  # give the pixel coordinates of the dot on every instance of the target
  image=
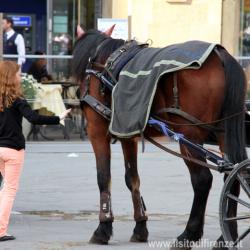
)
(102, 234)
(219, 244)
(219, 248)
(180, 245)
(186, 240)
(138, 238)
(96, 240)
(140, 233)
(180, 248)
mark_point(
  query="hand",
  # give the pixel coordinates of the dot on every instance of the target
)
(64, 114)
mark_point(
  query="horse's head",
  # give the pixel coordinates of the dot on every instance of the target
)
(84, 50)
(92, 49)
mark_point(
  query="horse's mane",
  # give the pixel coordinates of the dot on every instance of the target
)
(85, 47)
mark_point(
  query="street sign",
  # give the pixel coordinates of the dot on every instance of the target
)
(23, 21)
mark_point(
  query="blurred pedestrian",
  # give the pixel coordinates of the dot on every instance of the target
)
(13, 43)
(38, 69)
(13, 107)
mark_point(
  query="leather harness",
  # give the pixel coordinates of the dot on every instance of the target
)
(108, 80)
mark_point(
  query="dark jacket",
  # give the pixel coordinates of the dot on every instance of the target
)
(38, 73)
(9, 46)
(11, 134)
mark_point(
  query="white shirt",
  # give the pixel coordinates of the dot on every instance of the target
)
(19, 42)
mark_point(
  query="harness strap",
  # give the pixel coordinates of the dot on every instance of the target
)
(97, 106)
(175, 91)
(105, 112)
(100, 77)
(190, 118)
(118, 59)
(102, 44)
(216, 50)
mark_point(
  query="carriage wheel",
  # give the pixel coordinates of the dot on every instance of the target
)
(240, 173)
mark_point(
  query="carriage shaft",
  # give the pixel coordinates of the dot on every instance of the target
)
(219, 161)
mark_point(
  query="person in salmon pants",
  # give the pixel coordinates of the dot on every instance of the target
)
(13, 107)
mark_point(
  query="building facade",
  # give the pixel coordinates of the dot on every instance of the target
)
(50, 25)
(163, 21)
(173, 21)
(43, 22)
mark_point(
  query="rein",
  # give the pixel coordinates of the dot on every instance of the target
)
(106, 112)
(173, 111)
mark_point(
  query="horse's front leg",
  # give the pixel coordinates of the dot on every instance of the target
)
(101, 146)
(140, 233)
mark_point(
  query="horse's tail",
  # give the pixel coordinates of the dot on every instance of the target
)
(234, 106)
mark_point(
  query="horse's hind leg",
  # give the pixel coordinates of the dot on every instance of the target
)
(101, 146)
(232, 208)
(201, 179)
(132, 179)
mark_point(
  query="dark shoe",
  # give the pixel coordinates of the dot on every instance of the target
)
(7, 237)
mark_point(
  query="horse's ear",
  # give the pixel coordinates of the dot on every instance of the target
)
(79, 31)
(109, 31)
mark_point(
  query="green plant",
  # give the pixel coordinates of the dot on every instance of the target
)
(28, 86)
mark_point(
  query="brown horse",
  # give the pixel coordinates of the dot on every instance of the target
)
(215, 91)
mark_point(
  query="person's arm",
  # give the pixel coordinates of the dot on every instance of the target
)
(33, 117)
(20, 49)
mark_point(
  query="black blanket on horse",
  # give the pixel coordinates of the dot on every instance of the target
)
(133, 95)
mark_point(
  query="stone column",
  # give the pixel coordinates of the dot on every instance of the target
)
(107, 9)
(231, 25)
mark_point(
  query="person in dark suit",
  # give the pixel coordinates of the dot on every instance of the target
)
(38, 69)
(13, 43)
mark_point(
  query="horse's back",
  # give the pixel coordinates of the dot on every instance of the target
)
(200, 91)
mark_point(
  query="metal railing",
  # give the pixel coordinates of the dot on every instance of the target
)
(40, 56)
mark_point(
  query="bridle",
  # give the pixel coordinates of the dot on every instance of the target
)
(95, 104)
